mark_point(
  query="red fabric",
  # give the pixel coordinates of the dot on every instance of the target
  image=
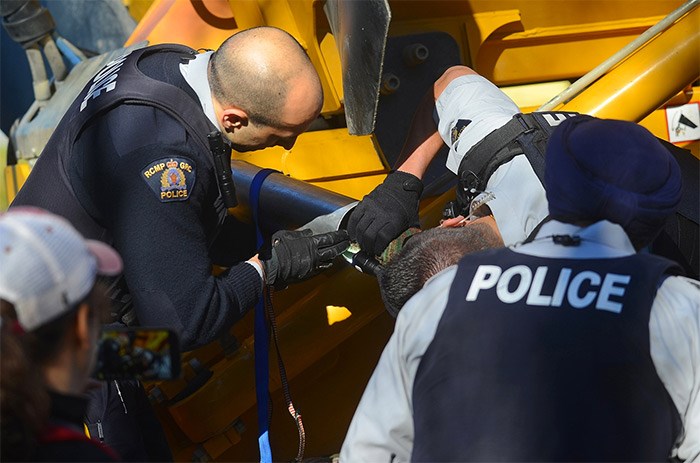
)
(57, 433)
(17, 328)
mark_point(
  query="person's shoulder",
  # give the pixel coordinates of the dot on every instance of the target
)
(680, 295)
(134, 126)
(685, 285)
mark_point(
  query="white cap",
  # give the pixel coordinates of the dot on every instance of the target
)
(46, 266)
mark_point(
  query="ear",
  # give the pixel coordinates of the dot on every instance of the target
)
(83, 325)
(233, 118)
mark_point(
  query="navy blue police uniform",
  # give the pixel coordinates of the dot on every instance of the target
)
(129, 164)
(554, 363)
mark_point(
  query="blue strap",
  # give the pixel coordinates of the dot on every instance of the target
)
(67, 51)
(254, 197)
(262, 372)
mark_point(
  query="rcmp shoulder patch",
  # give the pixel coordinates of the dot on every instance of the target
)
(456, 131)
(171, 179)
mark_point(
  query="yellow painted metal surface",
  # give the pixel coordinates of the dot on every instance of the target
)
(643, 82)
(137, 8)
(520, 41)
(519, 57)
(4, 190)
(352, 164)
(173, 21)
(14, 178)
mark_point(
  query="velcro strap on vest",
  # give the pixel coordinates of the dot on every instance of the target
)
(524, 134)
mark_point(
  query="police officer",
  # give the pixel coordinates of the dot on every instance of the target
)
(497, 150)
(572, 347)
(131, 164)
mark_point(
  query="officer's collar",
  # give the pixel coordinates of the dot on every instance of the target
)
(195, 74)
(601, 239)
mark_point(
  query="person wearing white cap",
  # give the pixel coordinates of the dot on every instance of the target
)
(52, 308)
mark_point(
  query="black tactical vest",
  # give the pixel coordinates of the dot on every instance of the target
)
(540, 359)
(118, 82)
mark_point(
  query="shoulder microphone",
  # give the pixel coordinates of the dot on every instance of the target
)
(222, 165)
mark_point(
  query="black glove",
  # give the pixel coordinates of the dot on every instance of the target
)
(297, 255)
(386, 212)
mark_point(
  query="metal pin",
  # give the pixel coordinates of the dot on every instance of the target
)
(119, 391)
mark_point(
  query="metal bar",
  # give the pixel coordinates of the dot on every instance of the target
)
(285, 202)
(647, 78)
(582, 83)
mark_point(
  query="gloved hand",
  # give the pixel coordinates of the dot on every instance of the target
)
(386, 212)
(298, 255)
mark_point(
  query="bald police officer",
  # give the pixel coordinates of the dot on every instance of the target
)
(130, 163)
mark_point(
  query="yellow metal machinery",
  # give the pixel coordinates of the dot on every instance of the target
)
(533, 49)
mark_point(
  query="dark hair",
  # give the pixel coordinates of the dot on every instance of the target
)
(232, 81)
(24, 398)
(426, 254)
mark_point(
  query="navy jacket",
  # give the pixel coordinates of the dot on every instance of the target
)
(539, 359)
(128, 165)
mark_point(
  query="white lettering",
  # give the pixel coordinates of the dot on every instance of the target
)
(575, 287)
(535, 297)
(609, 288)
(554, 119)
(486, 277)
(104, 80)
(579, 290)
(94, 94)
(108, 68)
(525, 279)
(560, 288)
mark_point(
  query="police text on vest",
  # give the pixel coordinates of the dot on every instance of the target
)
(581, 290)
(104, 80)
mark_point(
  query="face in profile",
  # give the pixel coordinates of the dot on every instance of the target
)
(299, 111)
(255, 137)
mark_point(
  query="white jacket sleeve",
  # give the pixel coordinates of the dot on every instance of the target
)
(382, 427)
(674, 331)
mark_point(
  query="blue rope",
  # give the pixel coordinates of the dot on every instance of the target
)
(262, 372)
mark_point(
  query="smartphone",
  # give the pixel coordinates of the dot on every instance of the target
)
(138, 353)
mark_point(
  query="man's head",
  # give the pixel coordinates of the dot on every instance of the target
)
(428, 253)
(603, 169)
(265, 89)
(48, 276)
